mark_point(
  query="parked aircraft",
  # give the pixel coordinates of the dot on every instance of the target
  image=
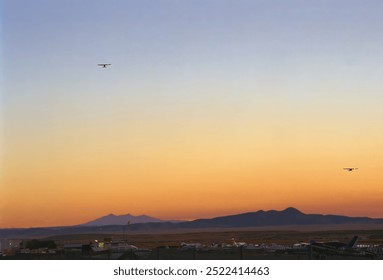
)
(335, 244)
(340, 249)
(185, 245)
(238, 244)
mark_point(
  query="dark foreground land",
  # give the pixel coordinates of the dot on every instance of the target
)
(230, 245)
(250, 237)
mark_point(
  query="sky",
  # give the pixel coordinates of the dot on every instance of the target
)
(210, 108)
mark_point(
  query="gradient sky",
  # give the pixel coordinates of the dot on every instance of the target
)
(211, 107)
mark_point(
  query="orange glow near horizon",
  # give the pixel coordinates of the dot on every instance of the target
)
(199, 172)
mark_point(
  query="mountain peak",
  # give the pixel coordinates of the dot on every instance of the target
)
(292, 210)
(112, 219)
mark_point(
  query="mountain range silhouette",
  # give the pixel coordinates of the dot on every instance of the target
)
(114, 224)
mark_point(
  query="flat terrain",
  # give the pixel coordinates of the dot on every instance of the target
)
(282, 237)
(275, 244)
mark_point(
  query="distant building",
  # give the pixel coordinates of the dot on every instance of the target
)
(9, 244)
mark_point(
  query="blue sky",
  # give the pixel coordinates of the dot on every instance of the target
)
(178, 43)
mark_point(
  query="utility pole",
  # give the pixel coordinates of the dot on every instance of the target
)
(124, 234)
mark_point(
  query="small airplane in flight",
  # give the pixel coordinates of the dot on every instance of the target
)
(104, 65)
(350, 169)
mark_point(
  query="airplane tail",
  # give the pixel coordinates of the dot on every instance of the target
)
(352, 242)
